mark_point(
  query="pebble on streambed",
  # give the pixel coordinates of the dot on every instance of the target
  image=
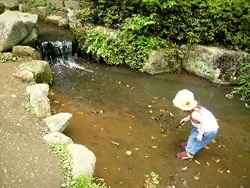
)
(128, 153)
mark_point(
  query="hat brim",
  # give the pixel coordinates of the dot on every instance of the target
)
(185, 106)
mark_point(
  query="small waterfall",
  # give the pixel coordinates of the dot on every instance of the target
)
(59, 47)
(54, 50)
(60, 53)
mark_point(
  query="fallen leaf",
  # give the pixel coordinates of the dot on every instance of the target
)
(197, 162)
(217, 161)
(154, 147)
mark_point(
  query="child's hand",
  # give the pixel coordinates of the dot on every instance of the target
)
(183, 121)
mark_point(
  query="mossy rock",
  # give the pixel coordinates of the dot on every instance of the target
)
(35, 71)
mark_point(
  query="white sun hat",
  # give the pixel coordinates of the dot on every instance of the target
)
(184, 100)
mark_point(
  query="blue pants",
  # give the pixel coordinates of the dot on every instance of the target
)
(193, 145)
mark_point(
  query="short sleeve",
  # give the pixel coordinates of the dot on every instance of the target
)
(197, 116)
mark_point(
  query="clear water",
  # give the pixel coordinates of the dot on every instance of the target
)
(116, 110)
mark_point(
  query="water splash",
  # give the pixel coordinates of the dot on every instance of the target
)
(52, 50)
(60, 54)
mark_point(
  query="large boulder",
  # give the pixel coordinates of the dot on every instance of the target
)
(83, 160)
(73, 21)
(31, 38)
(35, 70)
(38, 100)
(15, 26)
(158, 63)
(220, 66)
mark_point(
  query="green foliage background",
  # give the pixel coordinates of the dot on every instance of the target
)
(224, 22)
(145, 25)
(128, 30)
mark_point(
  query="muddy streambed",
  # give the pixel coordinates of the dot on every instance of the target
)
(127, 119)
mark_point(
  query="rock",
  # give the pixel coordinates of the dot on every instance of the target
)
(57, 3)
(6, 54)
(58, 20)
(31, 38)
(72, 4)
(43, 12)
(158, 63)
(220, 66)
(83, 160)
(2, 7)
(24, 8)
(57, 137)
(14, 27)
(73, 21)
(34, 71)
(58, 122)
(11, 4)
(38, 99)
(22, 50)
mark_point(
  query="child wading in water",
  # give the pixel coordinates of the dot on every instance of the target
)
(205, 124)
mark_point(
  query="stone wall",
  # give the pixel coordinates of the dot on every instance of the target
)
(73, 4)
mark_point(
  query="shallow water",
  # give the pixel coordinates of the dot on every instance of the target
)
(116, 110)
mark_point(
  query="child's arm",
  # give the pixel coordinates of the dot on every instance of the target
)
(197, 116)
(184, 120)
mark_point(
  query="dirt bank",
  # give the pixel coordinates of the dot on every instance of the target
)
(25, 160)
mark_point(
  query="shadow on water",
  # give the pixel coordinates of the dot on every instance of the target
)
(127, 119)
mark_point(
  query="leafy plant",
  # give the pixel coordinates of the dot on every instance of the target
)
(139, 24)
(224, 22)
(116, 48)
(62, 151)
(109, 13)
(10, 57)
(28, 107)
(85, 182)
(82, 181)
(243, 88)
(34, 3)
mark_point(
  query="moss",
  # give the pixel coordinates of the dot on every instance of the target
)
(46, 77)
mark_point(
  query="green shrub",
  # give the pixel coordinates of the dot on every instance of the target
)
(85, 182)
(109, 13)
(225, 22)
(243, 88)
(10, 57)
(61, 149)
(119, 48)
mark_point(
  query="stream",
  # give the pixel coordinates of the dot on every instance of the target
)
(116, 110)
(127, 119)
